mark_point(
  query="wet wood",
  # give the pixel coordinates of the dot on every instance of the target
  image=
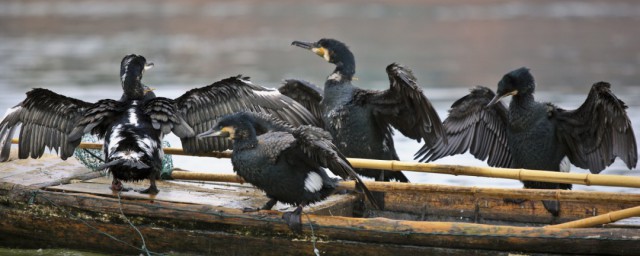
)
(200, 242)
(227, 195)
(46, 171)
(187, 215)
(484, 205)
(156, 216)
(451, 206)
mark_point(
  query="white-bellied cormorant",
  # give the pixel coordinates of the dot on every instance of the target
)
(287, 163)
(133, 126)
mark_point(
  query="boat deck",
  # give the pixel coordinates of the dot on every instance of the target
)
(65, 204)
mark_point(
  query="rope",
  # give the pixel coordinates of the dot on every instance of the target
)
(144, 244)
(143, 249)
(313, 236)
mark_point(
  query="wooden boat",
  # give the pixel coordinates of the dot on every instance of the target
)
(52, 203)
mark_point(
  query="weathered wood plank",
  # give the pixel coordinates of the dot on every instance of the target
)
(472, 208)
(200, 242)
(228, 195)
(46, 171)
(268, 225)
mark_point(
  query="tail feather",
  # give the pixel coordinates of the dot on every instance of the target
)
(400, 177)
(125, 162)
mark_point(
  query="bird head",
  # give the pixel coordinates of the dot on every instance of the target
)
(516, 82)
(240, 125)
(132, 68)
(330, 50)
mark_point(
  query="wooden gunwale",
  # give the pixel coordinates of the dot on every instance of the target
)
(19, 199)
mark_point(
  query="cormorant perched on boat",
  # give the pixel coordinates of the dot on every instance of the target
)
(359, 120)
(133, 126)
(286, 162)
(536, 135)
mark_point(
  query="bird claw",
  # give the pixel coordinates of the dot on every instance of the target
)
(294, 220)
(151, 190)
(118, 187)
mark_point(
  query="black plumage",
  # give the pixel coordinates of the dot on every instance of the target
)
(286, 162)
(133, 126)
(361, 121)
(537, 135)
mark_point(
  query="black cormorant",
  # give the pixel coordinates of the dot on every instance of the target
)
(285, 162)
(361, 121)
(536, 135)
(133, 126)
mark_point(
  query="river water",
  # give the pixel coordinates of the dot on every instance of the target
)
(75, 47)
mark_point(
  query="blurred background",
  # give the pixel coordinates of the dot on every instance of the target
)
(74, 47)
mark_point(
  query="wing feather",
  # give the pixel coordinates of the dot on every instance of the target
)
(165, 117)
(405, 107)
(598, 131)
(46, 118)
(316, 144)
(472, 126)
(305, 93)
(202, 106)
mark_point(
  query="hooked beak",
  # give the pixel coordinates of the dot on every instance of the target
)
(227, 131)
(213, 133)
(148, 89)
(303, 45)
(148, 65)
(497, 98)
(320, 51)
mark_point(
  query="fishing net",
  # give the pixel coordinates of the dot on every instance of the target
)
(92, 158)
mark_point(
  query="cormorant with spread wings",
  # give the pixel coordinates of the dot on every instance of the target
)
(536, 135)
(133, 126)
(361, 121)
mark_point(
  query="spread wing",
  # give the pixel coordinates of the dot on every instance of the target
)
(165, 117)
(305, 93)
(316, 144)
(598, 131)
(202, 106)
(474, 127)
(46, 118)
(405, 107)
(97, 119)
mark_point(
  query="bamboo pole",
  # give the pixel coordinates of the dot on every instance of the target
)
(600, 219)
(530, 194)
(185, 175)
(169, 150)
(505, 173)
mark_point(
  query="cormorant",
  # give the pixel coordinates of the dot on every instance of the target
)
(536, 135)
(285, 162)
(361, 121)
(133, 126)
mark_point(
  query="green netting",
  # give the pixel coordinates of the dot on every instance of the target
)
(92, 158)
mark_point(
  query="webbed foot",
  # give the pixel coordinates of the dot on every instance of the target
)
(294, 219)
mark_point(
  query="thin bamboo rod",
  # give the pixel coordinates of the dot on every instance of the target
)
(530, 194)
(506, 173)
(600, 219)
(169, 150)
